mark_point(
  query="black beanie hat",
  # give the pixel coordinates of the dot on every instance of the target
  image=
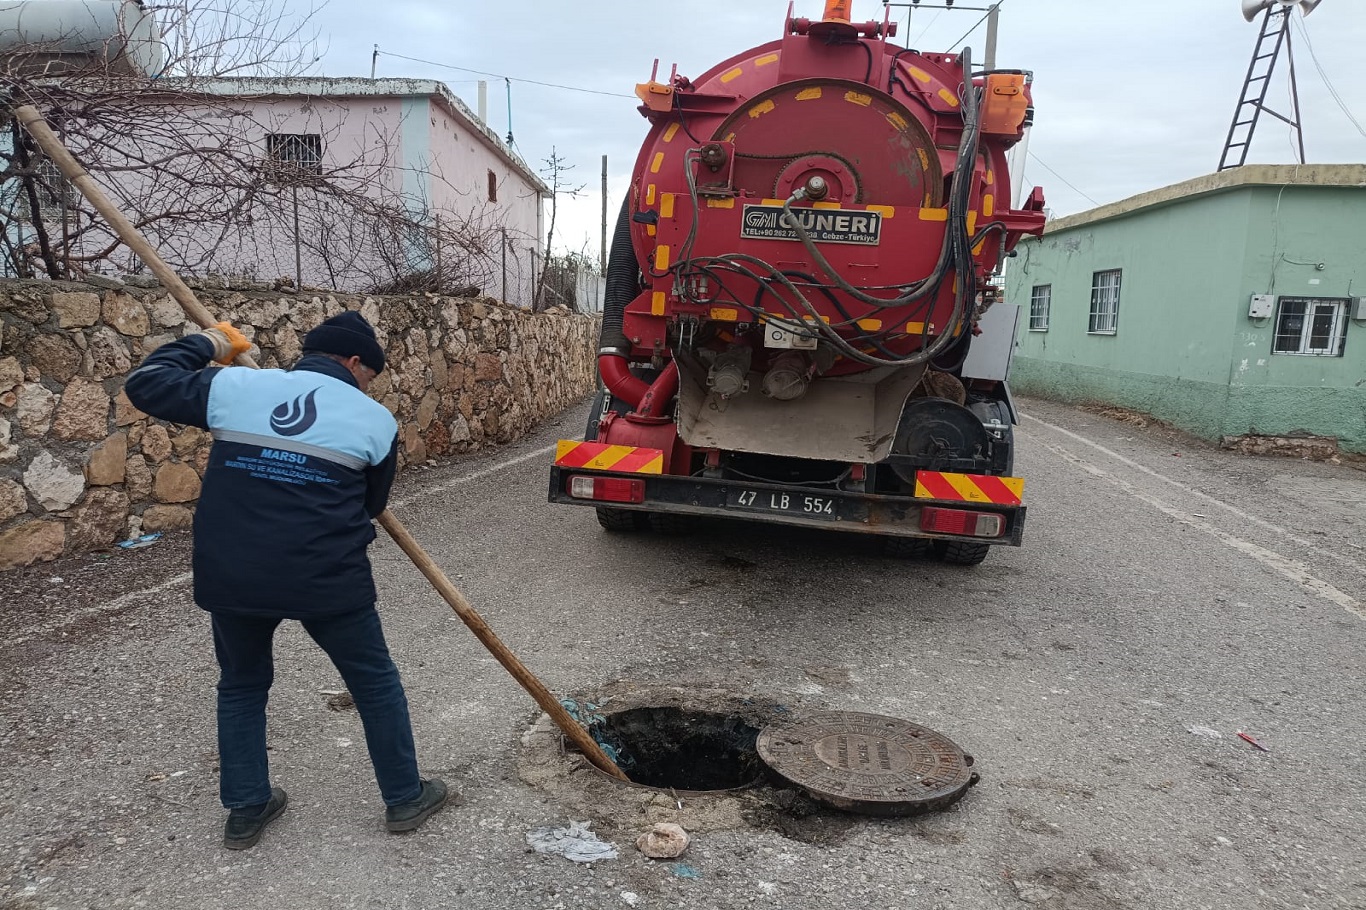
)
(347, 335)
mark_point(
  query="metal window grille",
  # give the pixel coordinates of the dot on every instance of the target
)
(493, 187)
(1311, 325)
(295, 154)
(1040, 303)
(1105, 303)
(55, 192)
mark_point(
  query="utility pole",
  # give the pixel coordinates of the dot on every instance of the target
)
(602, 250)
(993, 29)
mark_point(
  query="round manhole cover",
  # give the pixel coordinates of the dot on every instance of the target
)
(868, 763)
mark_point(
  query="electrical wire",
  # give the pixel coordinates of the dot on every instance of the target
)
(996, 8)
(1063, 179)
(465, 69)
(925, 30)
(1332, 90)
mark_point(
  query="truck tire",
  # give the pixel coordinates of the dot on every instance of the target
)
(672, 525)
(906, 547)
(961, 553)
(619, 521)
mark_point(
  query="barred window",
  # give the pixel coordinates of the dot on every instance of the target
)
(1311, 325)
(55, 192)
(296, 154)
(1105, 303)
(1040, 303)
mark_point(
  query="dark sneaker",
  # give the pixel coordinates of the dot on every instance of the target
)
(245, 826)
(410, 815)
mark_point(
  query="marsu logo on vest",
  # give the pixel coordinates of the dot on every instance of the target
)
(277, 455)
(290, 418)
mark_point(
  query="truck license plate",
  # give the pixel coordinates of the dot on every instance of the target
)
(795, 503)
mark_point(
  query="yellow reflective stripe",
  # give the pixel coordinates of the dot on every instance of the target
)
(965, 487)
(605, 460)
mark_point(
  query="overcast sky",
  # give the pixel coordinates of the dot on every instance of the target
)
(1131, 94)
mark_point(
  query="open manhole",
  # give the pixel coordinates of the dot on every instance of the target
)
(863, 763)
(672, 748)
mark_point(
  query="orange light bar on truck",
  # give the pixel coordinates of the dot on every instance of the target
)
(836, 10)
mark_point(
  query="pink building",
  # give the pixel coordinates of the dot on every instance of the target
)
(360, 185)
(474, 205)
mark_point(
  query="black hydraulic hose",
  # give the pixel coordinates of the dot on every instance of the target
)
(623, 283)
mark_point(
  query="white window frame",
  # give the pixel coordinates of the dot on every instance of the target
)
(1105, 293)
(1311, 308)
(1040, 307)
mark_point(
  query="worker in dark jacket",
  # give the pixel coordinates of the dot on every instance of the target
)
(302, 461)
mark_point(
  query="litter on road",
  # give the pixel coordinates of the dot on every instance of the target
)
(664, 841)
(575, 843)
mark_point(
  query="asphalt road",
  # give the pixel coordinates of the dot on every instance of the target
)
(1163, 587)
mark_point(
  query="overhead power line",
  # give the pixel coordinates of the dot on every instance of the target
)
(465, 69)
(975, 27)
(1063, 179)
(1332, 90)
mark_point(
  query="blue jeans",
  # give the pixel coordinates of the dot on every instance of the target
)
(355, 643)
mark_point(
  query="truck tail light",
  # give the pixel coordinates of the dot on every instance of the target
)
(962, 522)
(606, 489)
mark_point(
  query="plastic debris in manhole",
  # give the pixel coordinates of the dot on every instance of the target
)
(868, 763)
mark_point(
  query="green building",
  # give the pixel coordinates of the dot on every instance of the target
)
(1228, 305)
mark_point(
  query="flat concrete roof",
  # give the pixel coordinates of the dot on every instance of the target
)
(1249, 175)
(355, 87)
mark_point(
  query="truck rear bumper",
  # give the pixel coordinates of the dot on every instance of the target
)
(810, 507)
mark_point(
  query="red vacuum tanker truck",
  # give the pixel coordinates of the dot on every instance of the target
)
(798, 325)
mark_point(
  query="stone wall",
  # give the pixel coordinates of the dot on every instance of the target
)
(81, 468)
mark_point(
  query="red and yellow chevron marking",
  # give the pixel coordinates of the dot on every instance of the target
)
(599, 456)
(1002, 491)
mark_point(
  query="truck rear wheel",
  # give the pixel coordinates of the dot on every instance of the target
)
(906, 547)
(620, 521)
(961, 553)
(672, 525)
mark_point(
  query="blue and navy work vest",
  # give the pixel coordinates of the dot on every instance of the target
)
(301, 461)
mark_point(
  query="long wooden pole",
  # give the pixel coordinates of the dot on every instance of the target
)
(38, 128)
